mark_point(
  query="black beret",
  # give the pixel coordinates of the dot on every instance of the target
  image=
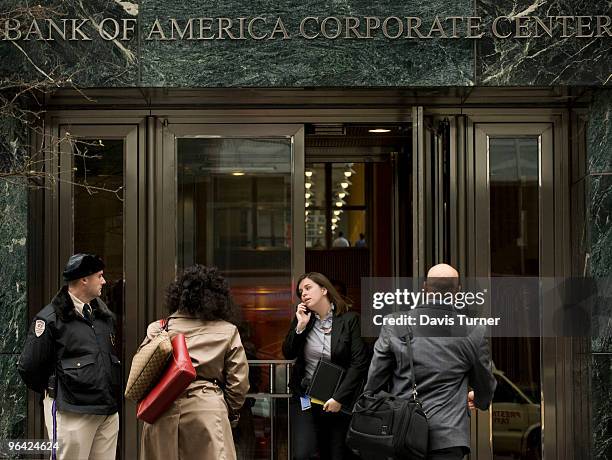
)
(82, 265)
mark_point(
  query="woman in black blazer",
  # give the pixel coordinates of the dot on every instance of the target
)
(323, 328)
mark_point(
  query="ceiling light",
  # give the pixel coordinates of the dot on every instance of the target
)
(339, 203)
(337, 212)
(308, 173)
(349, 172)
(334, 220)
(307, 195)
(307, 204)
(237, 173)
(345, 184)
(308, 185)
(341, 195)
(379, 130)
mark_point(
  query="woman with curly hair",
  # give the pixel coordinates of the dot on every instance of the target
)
(198, 424)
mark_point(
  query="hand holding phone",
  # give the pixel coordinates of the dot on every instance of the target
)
(302, 313)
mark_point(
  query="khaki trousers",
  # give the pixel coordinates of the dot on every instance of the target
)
(82, 436)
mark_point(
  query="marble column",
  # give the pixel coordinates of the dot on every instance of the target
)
(13, 307)
(599, 205)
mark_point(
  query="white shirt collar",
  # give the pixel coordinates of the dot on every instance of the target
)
(78, 304)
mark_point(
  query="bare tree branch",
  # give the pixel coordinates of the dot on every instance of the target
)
(22, 108)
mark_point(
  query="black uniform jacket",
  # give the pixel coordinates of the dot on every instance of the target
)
(347, 350)
(80, 354)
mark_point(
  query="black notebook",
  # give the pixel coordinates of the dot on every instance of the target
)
(325, 380)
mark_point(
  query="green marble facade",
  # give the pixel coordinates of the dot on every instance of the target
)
(298, 62)
(599, 147)
(13, 307)
(13, 277)
(288, 60)
(542, 61)
(86, 63)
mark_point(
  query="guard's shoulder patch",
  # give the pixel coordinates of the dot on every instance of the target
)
(39, 327)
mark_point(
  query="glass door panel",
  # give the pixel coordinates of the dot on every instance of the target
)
(228, 198)
(98, 202)
(514, 242)
(234, 212)
(509, 208)
(98, 212)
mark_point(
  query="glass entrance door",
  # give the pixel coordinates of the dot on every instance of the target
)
(513, 237)
(95, 210)
(229, 198)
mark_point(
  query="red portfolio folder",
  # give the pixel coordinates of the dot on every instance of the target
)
(176, 378)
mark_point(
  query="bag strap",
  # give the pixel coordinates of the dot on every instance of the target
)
(408, 338)
(164, 323)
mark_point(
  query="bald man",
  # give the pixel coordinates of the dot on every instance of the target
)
(452, 365)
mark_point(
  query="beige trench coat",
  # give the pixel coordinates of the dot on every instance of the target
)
(197, 425)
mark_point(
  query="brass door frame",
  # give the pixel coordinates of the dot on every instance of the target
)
(59, 226)
(148, 134)
(150, 174)
(555, 249)
(166, 189)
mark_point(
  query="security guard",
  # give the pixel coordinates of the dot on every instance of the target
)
(69, 357)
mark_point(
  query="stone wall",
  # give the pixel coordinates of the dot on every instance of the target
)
(599, 205)
(13, 292)
(286, 59)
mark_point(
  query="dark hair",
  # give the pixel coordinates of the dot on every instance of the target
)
(340, 286)
(332, 294)
(201, 291)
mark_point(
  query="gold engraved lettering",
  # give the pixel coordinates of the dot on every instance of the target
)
(413, 26)
(495, 29)
(400, 27)
(279, 27)
(352, 25)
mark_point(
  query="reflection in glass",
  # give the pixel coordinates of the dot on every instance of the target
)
(234, 212)
(514, 242)
(315, 228)
(262, 431)
(98, 211)
(97, 201)
(514, 192)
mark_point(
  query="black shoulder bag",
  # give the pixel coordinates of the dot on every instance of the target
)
(388, 425)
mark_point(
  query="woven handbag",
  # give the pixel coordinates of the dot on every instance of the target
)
(176, 378)
(148, 365)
